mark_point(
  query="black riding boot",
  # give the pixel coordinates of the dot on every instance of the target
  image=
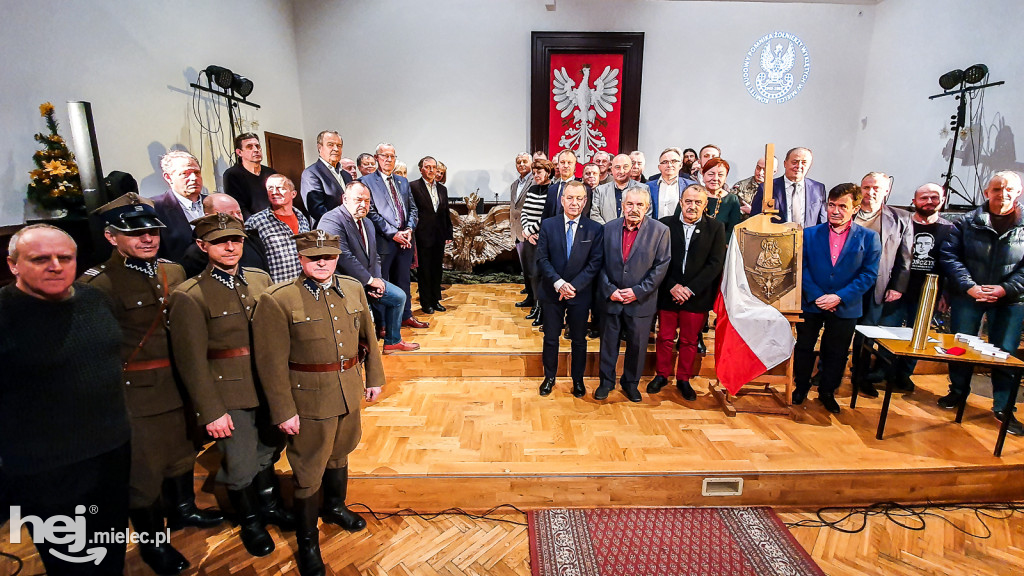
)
(163, 558)
(254, 535)
(307, 536)
(335, 511)
(180, 495)
(272, 508)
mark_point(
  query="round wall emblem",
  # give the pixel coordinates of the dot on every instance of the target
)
(784, 64)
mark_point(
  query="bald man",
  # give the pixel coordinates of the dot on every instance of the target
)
(195, 260)
(929, 232)
(606, 204)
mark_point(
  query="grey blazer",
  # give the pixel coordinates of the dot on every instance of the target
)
(515, 210)
(897, 252)
(643, 271)
(603, 208)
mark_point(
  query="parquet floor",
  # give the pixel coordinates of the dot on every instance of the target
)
(455, 545)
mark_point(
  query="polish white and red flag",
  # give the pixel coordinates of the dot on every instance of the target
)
(751, 337)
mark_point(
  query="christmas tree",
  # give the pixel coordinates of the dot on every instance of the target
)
(55, 184)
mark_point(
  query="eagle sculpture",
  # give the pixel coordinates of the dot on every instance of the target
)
(477, 239)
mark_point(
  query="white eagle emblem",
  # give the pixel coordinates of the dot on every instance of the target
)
(776, 80)
(585, 104)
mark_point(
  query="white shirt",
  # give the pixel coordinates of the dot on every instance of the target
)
(433, 194)
(191, 209)
(575, 230)
(688, 230)
(333, 170)
(668, 197)
(795, 201)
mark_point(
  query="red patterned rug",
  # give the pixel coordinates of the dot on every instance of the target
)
(664, 542)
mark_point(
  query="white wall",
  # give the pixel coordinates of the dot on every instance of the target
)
(451, 78)
(133, 61)
(915, 42)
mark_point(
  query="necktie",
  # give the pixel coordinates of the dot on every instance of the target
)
(797, 210)
(558, 205)
(568, 240)
(362, 236)
(398, 203)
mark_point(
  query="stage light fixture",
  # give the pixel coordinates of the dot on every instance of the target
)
(241, 85)
(975, 73)
(951, 79)
(220, 75)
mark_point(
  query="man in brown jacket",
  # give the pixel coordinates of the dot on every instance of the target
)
(162, 451)
(211, 316)
(308, 335)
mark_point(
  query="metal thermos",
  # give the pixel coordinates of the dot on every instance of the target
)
(925, 308)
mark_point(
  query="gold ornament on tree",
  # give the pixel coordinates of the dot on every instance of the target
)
(55, 183)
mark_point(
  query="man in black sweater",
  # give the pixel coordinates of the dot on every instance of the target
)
(64, 434)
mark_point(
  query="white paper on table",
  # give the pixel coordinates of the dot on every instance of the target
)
(904, 333)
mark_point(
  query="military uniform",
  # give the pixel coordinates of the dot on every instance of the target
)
(307, 353)
(211, 338)
(307, 338)
(162, 452)
(161, 447)
(210, 314)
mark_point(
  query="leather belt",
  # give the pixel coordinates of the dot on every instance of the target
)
(225, 354)
(329, 367)
(147, 365)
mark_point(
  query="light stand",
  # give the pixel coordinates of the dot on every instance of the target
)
(231, 84)
(949, 82)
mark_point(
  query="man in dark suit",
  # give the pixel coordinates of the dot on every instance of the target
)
(359, 259)
(636, 258)
(797, 198)
(840, 266)
(324, 181)
(569, 256)
(181, 204)
(689, 290)
(433, 232)
(896, 233)
(395, 217)
(566, 172)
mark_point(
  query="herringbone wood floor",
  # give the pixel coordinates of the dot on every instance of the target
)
(453, 545)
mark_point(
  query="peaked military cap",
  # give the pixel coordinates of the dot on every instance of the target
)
(317, 243)
(129, 213)
(214, 226)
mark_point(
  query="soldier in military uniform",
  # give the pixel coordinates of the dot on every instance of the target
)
(307, 337)
(211, 335)
(162, 451)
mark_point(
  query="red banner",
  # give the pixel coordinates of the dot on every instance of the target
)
(584, 105)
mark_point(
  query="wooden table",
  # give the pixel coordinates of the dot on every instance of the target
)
(873, 346)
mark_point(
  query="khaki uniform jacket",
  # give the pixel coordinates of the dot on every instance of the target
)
(137, 299)
(206, 315)
(293, 325)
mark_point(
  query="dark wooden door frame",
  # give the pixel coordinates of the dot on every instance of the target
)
(629, 44)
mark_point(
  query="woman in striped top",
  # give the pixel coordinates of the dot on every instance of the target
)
(533, 210)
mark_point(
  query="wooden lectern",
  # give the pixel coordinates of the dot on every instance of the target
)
(773, 262)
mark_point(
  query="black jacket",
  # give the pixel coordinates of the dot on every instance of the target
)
(703, 273)
(973, 254)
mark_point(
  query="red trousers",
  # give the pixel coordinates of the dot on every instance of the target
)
(688, 326)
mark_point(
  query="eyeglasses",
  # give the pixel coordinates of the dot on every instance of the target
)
(667, 162)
